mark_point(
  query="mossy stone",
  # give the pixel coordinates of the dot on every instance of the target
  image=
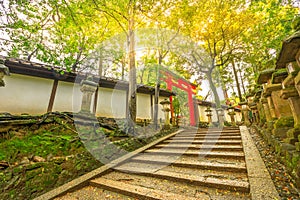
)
(292, 133)
(284, 122)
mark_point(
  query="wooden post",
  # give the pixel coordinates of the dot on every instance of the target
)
(52, 96)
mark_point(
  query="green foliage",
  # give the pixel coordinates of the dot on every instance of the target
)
(41, 144)
(64, 33)
(226, 123)
(263, 39)
(176, 106)
(203, 124)
(280, 72)
(284, 122)
(296, 23)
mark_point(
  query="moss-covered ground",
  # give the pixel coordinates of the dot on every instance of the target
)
(37, 158)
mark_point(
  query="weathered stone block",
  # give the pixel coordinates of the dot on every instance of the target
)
(269, 137)
(288, 147)
(293, 133)
(280, 132)
(282, 148)
(284, 122)
(289, 157)
(282, 108)
(290, 140)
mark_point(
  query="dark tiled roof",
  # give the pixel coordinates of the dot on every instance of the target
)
(19, 66)
(290, 47)
(265, 75)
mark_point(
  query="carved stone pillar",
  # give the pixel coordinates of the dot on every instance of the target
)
(245, 110)
(220, 114)
(88, 87)
(265, 105)
(255, 117)
(271, 106)
(289, 92)
(292, 95)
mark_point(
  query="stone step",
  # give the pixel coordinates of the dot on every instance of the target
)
(207, 137)
(219, 183)
(202, 147)
(214, 131)
(212, 154)
(189, 163)
(212, 142)
(152, 167)
(91, 193)
(209, 134)
(138, 191)
(174, 186)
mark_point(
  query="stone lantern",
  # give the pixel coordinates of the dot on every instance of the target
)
(3, 71)
(245, 111)
(231, 113)
(289, 58)
(253, 107)
(88, 87)
(220, 114)
(166, 109)
(208, 114)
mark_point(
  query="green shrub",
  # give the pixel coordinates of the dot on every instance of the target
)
(284, 122)
(202, 124)
(226, 123)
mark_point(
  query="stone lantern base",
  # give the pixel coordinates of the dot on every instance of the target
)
(166, 127)
(293, 136)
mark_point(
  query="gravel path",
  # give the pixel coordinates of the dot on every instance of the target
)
(284, 183)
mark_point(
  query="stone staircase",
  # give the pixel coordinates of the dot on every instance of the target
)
(193, 164)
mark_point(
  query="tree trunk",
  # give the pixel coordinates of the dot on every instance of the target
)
(123, 63)
(156, 95)
(243, 85)
(132, 72)
(213, 89)
(237, 81)
(100, 70)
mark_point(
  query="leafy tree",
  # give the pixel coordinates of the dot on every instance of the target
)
(210, 38)
(263, 39)
(216, 28)
(54, 32)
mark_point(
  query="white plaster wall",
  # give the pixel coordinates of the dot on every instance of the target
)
(111, 103)
(25, 94)
(68, 97)
(143, 106)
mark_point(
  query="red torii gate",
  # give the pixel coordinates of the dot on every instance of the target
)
(169, 78)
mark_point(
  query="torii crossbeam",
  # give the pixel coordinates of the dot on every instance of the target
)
(173, 80)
